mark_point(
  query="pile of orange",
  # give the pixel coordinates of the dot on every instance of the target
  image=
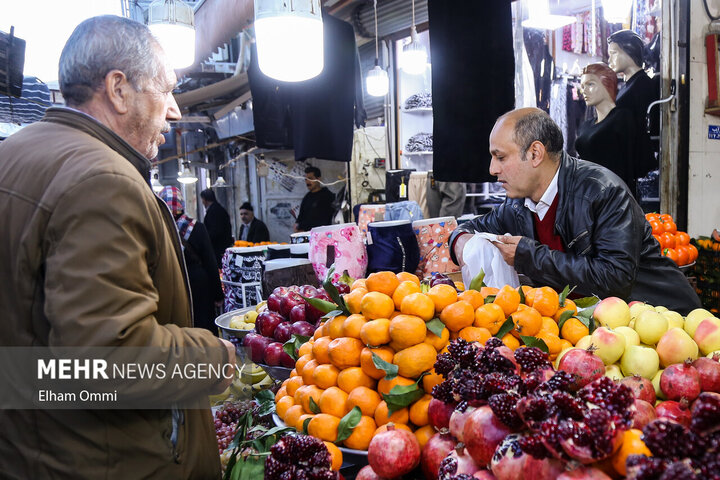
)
(673, 244)
(245, 243)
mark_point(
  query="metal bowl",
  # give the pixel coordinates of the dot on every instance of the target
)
(276, 372)
(223, 324)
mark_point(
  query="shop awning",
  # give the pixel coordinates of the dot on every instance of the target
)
(28, 108)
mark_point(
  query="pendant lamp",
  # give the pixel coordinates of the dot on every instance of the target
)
(413, 59)
(186, 176)
(220, 182)
(173, 24)
(155, 184)
(377, 81)
(540, 17)
(616, 11)
(289, 39)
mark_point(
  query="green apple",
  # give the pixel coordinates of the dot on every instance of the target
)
(584, 342)
(641, 361)
(694, 318)
(631, 336)
(661, 309)
(656, 384)
(675, 320)
(613, 372)
(676, 346)
(650, 326)
(637, 307)
(609, 345)
(612, 312)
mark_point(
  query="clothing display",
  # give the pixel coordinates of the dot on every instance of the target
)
(341, 245)
(315, 209)
(417, 191)
(419, 100)
(256, 232)
(445, 199)
(407, 210)
(543, 65)
(396, 185)
(392, 246)
(369, 213)
(567, 109)
(421, 142)
(432, 237)
(242, 271)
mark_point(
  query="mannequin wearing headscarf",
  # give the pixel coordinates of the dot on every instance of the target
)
(199, 258)
(608, 140)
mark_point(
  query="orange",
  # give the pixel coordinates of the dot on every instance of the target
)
(319, 331)
(368, 366)
(300, 362)
(292, 414)
(293, 384)
(565, 344)
(403, 290)
(351, 378)
(336, 457)
(527, 322)
(459, 286)
(324, 427)
(361, 435)
(325, 376)
(307, 372)
(429, 381)
(354, 298)
(332, 401)
(375, 332)
(573, 330)
(382, 415)
(353, 324)
(293, 372)
(320, 349)
(335, 327)
(418, 304)
(419, 411)
(552, 341)
(485, 291)
(632, 444)
(569, 305)
(473, 297)
(424, 434)
(413, 361)
(511, 342)
(383, 282)
(365, 398)
(408, 277)
(529, 296)
(376, 305)
(305, 348)
(282, 406)
(384, 386)
(300, 421)
(490, 316)
(311, 391)
(546, 301)
(282, 392)
(438, 342)
(398, 426)
(360, 282)
(345, 352)
(475, 334)
(442, 295)
(458, 315)
(549, 325)
(406, 331)
(508, 299)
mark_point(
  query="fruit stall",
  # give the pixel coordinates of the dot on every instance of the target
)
(393, 377)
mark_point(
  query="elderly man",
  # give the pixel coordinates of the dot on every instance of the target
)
(90, 257)
(571, 222)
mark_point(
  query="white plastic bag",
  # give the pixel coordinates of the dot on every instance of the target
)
(480, 254)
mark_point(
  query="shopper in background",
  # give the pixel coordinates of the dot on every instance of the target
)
(571, 222)
(316, 208)
(217, 222)
(251, 229)
(199, 259)
(89, 257)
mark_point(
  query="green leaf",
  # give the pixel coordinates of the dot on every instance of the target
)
(306, 422)
(231, 463)
(564, 318)
(586, 317)
(314, 406)
(348, 423)
(436, 326)
(490, 298)
(564, 294)
(264, 396)
(401, 396)
(322, 305)
(586, 302)
(506, 327)
(522, 294)
(390, 369)
(332, 314)
(332, 291)
(250, 468)
(535, 342)
(478, 281)
(293, 345)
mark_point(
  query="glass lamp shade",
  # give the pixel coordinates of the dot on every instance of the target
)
(186, 176)
(220, 182)
(289, 39)
(616, 11)
(173, 24)
(539, 17)
(413, 59)
(377, 82)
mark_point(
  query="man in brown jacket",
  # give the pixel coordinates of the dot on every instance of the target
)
(89, 256)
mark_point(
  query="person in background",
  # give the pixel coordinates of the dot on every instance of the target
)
(199, 259)
(90, 257)
(251, 229)
(217, 222)
(571, 222)
(316, 207)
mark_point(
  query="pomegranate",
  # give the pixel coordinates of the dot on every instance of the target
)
(709, 371)
(584, 365)
(457, 422)
(706, 413)
(367, 473)
(455, 463)
(435, 450)
(644, 414)
(510, 462)
(484, 475)
(439, 413)
(681, 380)
(583, 473)
(672, 410)
(509, 354)
(482, 433)
(394, 452)
(641, 387)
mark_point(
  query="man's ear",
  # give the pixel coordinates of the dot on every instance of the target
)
(536, 153)
(118, 91)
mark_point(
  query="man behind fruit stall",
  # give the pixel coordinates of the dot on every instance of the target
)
(571, 222)
(90, 257)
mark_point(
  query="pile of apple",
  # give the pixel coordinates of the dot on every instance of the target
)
(286, 314)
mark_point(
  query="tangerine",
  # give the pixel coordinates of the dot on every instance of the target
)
(282, 406)
(632, 444)
(475, 334)
(335, 326)
(301, 421)
(458, 315)
(415, 360)
(569, 305)
(383, 282)
(375, 332)
(486, 291)
(293, 384)
(408, 277)
(549, 325)
(406, 331)
(442, 295)
(438, 342)
(365, 398)
(353, 300)
(336, 456)
(359, 283)
(307, 372)
(376, 305)
(551, 340)
(305, 348)
(384, 386)
(424, 434)
(324, 427)
(573, 330)
(325, 376)
(546, 301)
(473, 297)
(353, 324)
(282, 391)
(368, 366)
(418, 304)
(320, 349)
(300, 362)
(419, 411)
(344, 352)
(403, 290)
(332, 401)
(351, 378)
(490, 316)
(292, 415)
(508, 299)
(510, 341)
(311, 391)
(527, 322)
(383, 416)
(430, 380)
(361, 435)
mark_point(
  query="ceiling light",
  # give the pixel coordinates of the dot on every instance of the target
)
(220, 182)
(413, 59)
(616, 11)
(376, 81)
(173, 24)
(155, 184)
(540, 17)
(289, 39)
(186, 176)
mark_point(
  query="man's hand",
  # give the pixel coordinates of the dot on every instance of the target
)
(460, 246)
(507, 246)
(228, 372)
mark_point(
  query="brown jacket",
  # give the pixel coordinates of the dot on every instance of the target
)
(90, 256)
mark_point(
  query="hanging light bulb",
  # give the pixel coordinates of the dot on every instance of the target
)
(155, 184)
(376, 81)
(616, 11)
(186, 176)
(289, 39)
(220, 182)
(173, 24)
(539, 17)
(413, 59)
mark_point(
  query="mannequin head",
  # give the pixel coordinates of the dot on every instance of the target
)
(598, 84)
(625, 52)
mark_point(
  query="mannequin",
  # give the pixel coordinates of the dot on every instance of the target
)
(609, 139)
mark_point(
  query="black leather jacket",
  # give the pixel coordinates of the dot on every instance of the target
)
(609, 247)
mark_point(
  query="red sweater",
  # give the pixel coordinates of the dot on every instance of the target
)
(545, 228)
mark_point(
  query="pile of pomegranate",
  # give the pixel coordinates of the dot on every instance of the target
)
(299, 457)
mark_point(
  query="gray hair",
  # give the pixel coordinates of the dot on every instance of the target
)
(538, 125)
(101, 44)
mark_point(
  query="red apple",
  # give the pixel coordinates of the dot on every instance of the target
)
(303, 328)
(275, 355)
(297, 313)
(266, 323)
(274, 302)
(283, 332)
(256, 343)
(289, 301)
